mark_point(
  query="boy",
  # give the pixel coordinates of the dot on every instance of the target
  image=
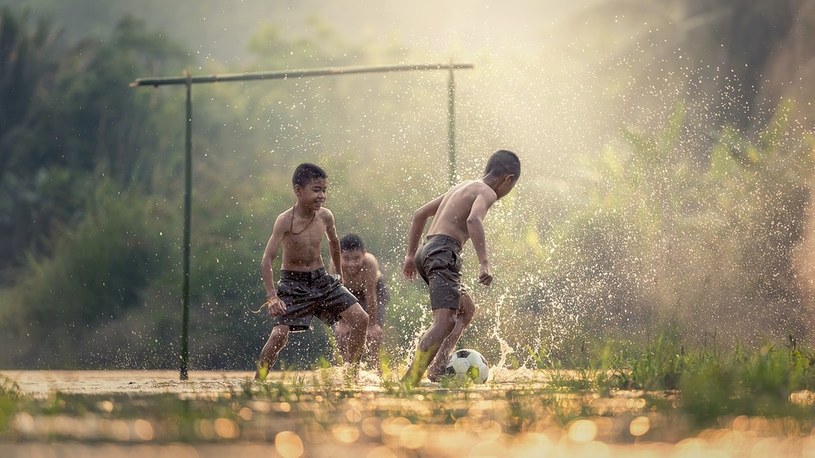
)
(457, 215)
(364, 279)
(305, 288)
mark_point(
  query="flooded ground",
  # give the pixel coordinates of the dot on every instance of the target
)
(323, 414)
(41, 384)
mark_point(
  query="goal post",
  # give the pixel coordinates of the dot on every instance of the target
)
(188, 80)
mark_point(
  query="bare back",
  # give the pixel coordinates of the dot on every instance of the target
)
(456, 206)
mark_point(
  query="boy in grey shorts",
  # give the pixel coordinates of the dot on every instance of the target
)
(305, 289)
(458, 215)
(308, 294)
(438, 262)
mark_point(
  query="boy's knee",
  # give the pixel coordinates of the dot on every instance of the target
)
(374, 333)
(281, 333)
(466, 307)
(357, 316)
(364, 318)
(344, 328)
(446, 319)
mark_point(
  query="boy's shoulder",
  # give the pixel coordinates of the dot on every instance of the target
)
(284, 214)
(470, 184)
(478, 186)
(371, 260)
(324, 212)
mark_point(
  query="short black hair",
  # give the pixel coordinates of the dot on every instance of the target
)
(352, 242)
(306, 172)
(503, 162)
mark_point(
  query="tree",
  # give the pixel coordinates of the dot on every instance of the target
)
(67, 116)
(714, 57)
(28, 53)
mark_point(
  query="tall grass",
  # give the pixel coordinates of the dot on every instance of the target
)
(710, 383)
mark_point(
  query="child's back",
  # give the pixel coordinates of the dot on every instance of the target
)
(455, 207)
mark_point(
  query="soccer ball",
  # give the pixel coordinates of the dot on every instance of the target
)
(468, 364)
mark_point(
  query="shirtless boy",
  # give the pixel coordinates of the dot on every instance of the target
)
(364, 279)
(305, 289)
(458, 215)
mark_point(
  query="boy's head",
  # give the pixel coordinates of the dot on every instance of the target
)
(504, 167)
(306, 172)
(310, 183)
(352, 251)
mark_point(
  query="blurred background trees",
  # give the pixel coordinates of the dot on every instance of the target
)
(667, 177)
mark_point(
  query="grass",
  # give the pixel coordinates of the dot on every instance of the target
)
(677, 392)
(10, 401)
(708, 383)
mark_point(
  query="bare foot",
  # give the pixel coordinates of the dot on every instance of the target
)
(436, 371)
(262, 372)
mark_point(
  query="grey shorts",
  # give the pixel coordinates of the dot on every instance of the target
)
(383, 296)
(438, 262)
(310, 294)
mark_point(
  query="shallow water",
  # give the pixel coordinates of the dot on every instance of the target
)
(324, 414)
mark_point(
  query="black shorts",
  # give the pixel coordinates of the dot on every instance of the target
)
(438, 262)
(383, 296)
(310, 294)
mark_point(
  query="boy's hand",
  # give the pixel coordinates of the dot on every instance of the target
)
(484, 275)
(276, 306)
(409, 268)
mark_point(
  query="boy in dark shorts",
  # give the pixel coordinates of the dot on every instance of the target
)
(364, 279)
(458, 216)
(305, 289)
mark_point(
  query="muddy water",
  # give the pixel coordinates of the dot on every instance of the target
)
(322, 414)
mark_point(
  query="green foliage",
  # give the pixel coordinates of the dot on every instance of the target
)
(665, 240)
(28, 52)
(655, 367)
(9, 401)
(97, 271)
(652, 228)
(71, 116)
(710, 383)
(756, 384)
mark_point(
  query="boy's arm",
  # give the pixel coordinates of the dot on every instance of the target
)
(276, 306)
(417, 223)
(333, 242)
(475, 227)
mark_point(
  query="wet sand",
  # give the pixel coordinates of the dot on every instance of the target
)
(41, 384)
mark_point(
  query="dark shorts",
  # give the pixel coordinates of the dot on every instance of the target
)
(438, 262)
(310, 294)
(383, 296)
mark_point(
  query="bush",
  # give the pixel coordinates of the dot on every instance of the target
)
(97, 270)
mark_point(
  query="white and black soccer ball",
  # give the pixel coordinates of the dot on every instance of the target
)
(468, 364)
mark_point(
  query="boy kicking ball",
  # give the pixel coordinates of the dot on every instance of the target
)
(458, 215)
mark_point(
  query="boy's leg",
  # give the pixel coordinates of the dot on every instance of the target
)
(357, 320)
(268, 356)
(342, 332)
(444, 320)
(373, 341)
(375, 324)
(464, 315)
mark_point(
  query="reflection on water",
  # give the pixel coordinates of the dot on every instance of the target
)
(321, 413)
